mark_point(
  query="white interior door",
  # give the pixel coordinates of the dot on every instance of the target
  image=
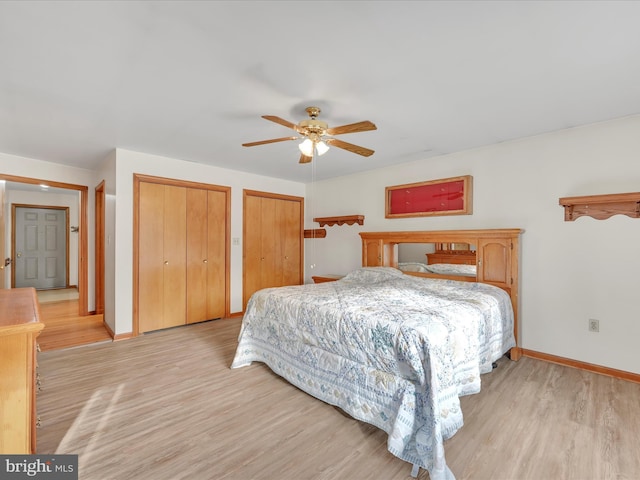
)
(40, 243)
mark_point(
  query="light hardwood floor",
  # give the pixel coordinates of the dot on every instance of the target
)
(64, 328)
(166, 406)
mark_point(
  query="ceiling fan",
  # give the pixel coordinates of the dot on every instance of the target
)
(318, 136)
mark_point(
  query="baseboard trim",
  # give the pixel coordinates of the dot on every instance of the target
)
(123, 336)
(109, 331)
(590, 367)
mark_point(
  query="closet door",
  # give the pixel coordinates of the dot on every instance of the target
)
(197, 255)
(150, 255)
(270, 265)
(161, 256)
(291, 238)
(175, 252)
(252, 243)
(206, 254)
(273, 241)
(216, 253)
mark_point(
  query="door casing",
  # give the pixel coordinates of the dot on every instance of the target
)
(83, 245)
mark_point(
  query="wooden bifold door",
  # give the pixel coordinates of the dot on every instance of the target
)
(273, 241)
(182, 252)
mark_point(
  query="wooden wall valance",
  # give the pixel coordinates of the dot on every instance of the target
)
(601, 207)
(348, 219)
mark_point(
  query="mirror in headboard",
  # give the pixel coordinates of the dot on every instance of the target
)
(440, 258)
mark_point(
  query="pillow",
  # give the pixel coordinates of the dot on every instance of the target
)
(371, 275)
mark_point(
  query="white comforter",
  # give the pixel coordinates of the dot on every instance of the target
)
(392, 350)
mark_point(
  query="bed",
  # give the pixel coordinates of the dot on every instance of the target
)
(393, 350)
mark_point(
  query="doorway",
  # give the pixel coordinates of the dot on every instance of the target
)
(40, 246)
(83, 307)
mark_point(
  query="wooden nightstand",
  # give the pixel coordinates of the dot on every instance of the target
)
(326, 278)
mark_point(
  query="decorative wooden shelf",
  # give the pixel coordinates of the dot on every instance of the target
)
(348, 219)
(601, 207)
(315, 233)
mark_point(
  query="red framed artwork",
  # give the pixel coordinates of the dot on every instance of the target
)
(447, 196)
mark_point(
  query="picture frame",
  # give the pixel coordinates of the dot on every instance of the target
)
(445, 196)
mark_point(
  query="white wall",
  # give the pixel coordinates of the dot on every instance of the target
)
(571, 271)
(128, 163)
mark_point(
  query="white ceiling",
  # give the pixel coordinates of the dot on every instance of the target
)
(190, 80)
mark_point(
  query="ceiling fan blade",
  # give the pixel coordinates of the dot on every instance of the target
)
(305, 159)
(352, 128)
(365, 152)
(273, 140)
(280, 121)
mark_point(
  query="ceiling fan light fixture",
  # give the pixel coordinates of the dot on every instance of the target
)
(306, 147)
(322, 148)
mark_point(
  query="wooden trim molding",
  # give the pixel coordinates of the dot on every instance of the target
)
(589, 367)
(99, 248)
(601, 207)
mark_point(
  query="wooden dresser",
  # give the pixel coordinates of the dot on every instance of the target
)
(19, 327)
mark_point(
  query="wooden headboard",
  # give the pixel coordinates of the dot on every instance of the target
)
(497, 257)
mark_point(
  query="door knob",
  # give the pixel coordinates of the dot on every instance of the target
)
(166, 262)
(205, 261)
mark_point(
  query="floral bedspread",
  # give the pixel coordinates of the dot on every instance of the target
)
(392, 350)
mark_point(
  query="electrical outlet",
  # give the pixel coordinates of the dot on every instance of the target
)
(594, 325)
